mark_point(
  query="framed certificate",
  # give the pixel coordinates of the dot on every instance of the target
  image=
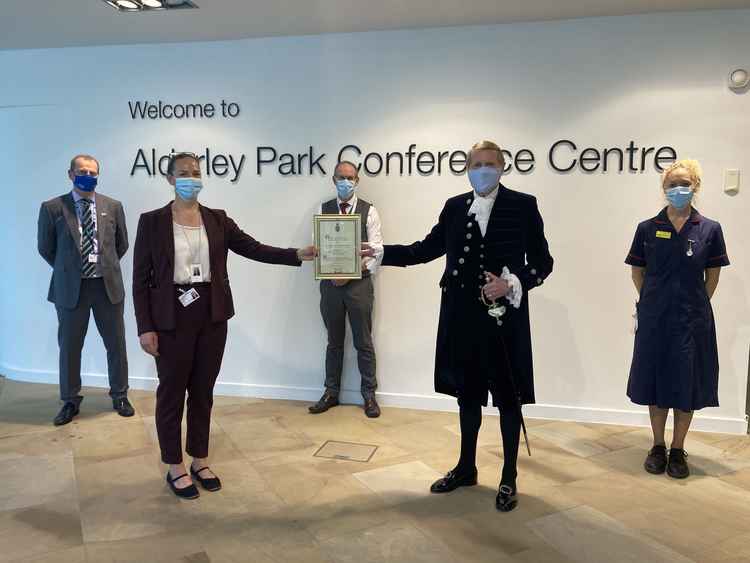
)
(338, 239)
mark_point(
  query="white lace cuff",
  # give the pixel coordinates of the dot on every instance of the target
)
(516, 290)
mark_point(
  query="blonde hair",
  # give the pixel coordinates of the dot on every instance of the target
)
(485, 146)
(693, 169)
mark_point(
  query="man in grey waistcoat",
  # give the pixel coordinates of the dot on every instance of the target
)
(82, 235)
(352, 298)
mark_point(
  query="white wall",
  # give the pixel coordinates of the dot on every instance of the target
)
(601, 82)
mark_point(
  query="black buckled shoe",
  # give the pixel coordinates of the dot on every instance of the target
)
(66, 414)
(677, 468)
(327, 401)
(211, 484)
(189, 493)
(656, 460)
(372, 410)
(507, 498)
(123, 407)
(453, 481)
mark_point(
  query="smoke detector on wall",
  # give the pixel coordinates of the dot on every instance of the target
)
(739, 79)
(150, 5)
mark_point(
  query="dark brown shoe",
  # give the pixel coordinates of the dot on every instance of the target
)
(677, 468)
(372, 410)
(327, 401)
(656, 460)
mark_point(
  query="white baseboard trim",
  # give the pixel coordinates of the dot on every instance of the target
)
(701, 423)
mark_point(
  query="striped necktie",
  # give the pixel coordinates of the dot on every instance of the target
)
(88, 269)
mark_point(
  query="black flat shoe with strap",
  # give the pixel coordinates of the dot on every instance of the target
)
(507, 498)
(211, 484)
(188, 493)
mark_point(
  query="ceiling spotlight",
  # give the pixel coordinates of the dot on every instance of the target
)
(127, 5)
(150, 5)
(739, 79)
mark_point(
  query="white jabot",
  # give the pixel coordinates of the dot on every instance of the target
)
(481, 208)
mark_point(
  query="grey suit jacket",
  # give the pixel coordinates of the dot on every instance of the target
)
(59, 243)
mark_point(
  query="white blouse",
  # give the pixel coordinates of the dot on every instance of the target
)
(190, 247)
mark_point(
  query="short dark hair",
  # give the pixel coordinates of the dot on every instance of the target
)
(350, 163)
(83, 157)
(179, 156)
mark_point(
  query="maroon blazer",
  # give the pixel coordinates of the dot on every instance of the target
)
(153, 265)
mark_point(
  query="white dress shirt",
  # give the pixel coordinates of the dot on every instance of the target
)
(190, 247)
(374, 233)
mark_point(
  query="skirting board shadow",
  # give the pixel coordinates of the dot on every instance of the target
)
(701, 422)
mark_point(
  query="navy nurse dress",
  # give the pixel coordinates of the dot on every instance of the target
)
(675, 359)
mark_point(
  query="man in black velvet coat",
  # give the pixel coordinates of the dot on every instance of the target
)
(496, 251)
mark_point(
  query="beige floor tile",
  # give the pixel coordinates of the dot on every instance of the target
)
(399, 483)
(736, 548)
(36, 480)
(110, 440)
(127, 500)
(587, 535)
(542, 554)
(38, 530)
(72, 555)
(392, 542)
(579, 440)
(739, 479)
(163, 548)
(473, 539)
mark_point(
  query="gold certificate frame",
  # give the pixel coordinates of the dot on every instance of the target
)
(338, 239)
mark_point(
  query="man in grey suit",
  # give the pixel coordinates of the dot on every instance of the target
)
(82, 235)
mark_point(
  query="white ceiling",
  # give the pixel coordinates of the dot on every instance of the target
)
(28, 24)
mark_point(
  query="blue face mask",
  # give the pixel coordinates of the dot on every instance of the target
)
(345, 189)
(187, 188)
(679, 196)
(484, 179)
(85, 183)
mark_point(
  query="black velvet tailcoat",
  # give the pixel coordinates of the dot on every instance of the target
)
(474, 352)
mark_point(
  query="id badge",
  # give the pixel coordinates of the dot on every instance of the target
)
(93, 258)
(189, 297)
(196, 273)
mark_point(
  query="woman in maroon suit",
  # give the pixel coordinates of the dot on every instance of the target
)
(182, 303)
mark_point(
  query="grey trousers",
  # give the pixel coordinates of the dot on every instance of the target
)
(355, 300)
(72, 327)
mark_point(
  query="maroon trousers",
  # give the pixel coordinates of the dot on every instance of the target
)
(189, 361)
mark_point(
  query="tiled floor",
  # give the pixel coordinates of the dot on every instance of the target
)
(94, 490)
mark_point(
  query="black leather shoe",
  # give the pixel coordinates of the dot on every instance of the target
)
(209, 483)
(677, 467)
(656, 460)
(190, 492)
(453, 481)
(507, 498)
(372, 410)
(66, 414)
(123, 407)
(326, 402)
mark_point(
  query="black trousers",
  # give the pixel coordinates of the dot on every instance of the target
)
(470, 415)
(189, 362)
(73, 325)
(355, 300)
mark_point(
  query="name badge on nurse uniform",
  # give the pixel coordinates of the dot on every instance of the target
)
(188, 297)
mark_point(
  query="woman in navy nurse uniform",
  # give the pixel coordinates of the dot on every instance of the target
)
(676, 258)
